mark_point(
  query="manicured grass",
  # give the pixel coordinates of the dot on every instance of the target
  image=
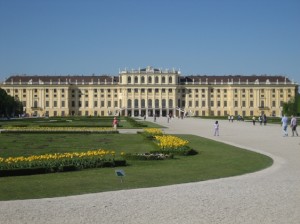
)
(74, 122)
(215, 160)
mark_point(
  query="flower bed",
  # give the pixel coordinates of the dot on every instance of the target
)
(149, 156)
(58, 162)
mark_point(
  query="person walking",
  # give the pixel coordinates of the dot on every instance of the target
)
(115, 123)
(253, 120)
(216, 128)
(284, 121)
(294, 125)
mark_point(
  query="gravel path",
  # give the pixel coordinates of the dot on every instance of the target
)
(269, 196)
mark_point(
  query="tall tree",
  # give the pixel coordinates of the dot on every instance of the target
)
(9, 106)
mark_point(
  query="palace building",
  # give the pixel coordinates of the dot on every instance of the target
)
(150, 91)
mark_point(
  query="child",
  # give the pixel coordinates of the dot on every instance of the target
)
(216, 126)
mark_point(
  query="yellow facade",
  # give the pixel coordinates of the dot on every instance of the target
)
(149, 92)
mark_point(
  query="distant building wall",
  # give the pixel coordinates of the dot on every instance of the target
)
(151, 92)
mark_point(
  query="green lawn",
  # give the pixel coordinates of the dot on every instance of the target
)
(215, 160)
(124, 122)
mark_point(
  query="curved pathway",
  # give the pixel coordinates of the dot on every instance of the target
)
(268, 196)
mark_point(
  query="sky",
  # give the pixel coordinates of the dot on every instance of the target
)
(199, 37)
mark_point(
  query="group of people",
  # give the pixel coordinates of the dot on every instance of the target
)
(261, 119)
(293, 124)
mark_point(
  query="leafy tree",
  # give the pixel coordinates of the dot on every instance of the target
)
(9, 106)
(290, 108)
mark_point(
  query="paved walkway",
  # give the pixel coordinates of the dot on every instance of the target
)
(268, 196)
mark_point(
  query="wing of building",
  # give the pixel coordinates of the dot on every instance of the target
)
(150, 91)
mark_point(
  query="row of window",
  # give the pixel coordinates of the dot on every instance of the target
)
(136, 103)
(196, 113)
(142, 80)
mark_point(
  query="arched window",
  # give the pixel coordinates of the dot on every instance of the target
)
(156, 103)
(170, 80)
(149, 103)
(149, 79)
(163, 80)
(142, 103)
(156, 79)
(142, 79)
(128, 79)
(136, 79)
(163, 103)
(170, 103)
(129, 103)
(136, 103)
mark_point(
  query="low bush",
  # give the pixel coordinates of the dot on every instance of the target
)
(58, 162)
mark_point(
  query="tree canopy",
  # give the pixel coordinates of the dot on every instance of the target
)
(9, 106)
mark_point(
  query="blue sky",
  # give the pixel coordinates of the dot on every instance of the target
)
(212, 37)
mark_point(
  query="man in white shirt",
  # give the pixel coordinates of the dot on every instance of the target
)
(284, 121)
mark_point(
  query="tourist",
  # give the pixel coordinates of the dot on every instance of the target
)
(284, 122)
(265, 119)
(253, 120)
(115, 123)
(294, 125)
(260, 120)
(216, 128)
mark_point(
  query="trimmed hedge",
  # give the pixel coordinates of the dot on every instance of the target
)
(59, 168)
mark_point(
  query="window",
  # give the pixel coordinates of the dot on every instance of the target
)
(102, 103)
(163, 103)
(251, 103)
(142, 103)
(86, 103)
(55, 103)
(243, 103)
(170, 103)
(211, 103)
(225, 103)
(170, 79)
(73, 103)
(235, 103)
(47, 103)
(136, 79)
(149, 103)
(129, 80)
(129, 103)
(63, 103)
(95, 104)
(156, 103)
(203, 103)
